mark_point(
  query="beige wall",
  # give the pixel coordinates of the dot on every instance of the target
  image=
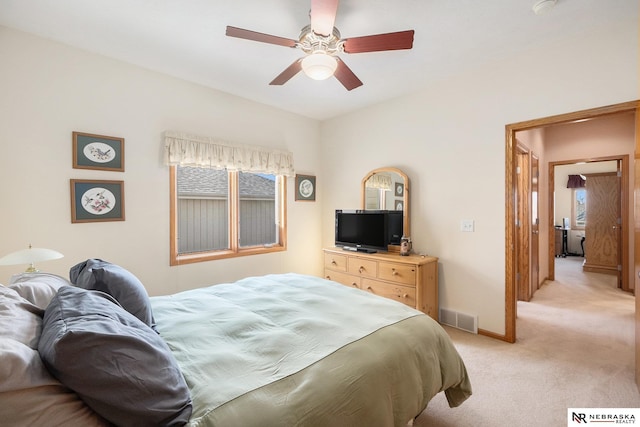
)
(49, 90)
(450, 140)
(448, 137)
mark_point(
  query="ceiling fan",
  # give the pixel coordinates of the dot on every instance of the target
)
(321, 42)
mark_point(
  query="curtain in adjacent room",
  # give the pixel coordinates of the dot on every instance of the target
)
(576, 181)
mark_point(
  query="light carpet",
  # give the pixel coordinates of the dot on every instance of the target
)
(575, 349)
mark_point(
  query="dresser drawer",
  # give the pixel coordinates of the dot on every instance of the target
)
(399, 273)
(363, 267)
(412, 280)
(403, 294)
(335, 262)
(344, 278)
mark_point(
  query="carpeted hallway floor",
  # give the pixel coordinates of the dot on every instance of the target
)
(575, 348)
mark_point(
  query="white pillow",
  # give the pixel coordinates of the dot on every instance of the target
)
(30, 395)
(37, 288)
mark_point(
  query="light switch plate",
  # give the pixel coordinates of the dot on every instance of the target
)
(467, 225)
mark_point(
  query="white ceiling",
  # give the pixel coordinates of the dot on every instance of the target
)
(186, 39)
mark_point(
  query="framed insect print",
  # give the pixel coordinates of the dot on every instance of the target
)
(96, 201)
(98, 152)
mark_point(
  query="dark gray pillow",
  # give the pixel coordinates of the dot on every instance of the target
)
(120, 367)
(116, 281)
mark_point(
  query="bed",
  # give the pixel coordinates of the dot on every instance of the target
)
(275, 350)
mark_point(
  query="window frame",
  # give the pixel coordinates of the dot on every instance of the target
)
(574, 210)
(234, 249)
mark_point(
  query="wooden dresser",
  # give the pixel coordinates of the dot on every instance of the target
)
(412, 279)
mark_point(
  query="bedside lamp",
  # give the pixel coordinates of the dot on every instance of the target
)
(30, 256)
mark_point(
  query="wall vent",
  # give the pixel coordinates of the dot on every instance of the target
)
(463, 321)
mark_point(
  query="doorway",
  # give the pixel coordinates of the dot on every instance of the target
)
(608, 244)
(512, 248)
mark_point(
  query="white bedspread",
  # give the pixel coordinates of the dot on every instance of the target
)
(258, 330)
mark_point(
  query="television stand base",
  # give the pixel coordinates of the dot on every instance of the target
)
(355, 249)
(367, 251)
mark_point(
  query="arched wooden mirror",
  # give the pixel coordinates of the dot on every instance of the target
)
(387, 188)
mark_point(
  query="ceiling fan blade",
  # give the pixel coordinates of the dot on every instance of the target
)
(289, 72)
(260, 37)
(345, 76)
(323, 16)
(380, 42)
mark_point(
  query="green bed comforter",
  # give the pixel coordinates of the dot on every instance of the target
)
(296, 350)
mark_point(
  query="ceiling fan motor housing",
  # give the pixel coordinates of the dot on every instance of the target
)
(321, 51)
(311, 42)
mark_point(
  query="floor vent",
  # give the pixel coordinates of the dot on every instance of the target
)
(466, 322)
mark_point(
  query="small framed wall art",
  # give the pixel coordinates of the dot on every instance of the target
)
(98, 152)
(305, 188)
(399, 189)
(95, 200)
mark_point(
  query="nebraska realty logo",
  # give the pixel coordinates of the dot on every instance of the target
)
(602, 416)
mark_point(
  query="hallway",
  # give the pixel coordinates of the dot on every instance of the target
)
(575, 349)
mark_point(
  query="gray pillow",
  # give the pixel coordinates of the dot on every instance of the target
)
(116, 281)
(120, 367)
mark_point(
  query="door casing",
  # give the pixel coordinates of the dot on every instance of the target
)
(511, 247)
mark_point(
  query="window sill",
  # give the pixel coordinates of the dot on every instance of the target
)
(224, 254)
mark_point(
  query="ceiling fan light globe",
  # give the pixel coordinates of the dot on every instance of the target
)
(319, 65)
(543, 6)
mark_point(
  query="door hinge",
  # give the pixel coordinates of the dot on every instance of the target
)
(619, 267)
(619, 173)
(518, 169)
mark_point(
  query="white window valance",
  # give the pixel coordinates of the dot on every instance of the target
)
(201, 151)
(380, 181)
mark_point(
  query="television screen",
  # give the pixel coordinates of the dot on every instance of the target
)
(395, 225)
(361, 229)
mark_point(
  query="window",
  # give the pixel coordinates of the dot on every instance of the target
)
(222, 214)
(227, 199)
(579, 208)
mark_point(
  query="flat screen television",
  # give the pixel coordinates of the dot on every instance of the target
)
(368, 230)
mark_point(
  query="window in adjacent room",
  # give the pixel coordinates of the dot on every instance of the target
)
(579, 208)
(221, 214)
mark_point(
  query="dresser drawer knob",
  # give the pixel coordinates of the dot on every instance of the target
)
(354, 284)
(369, 288)
(333, 262)
(361, 269)
(394, 272)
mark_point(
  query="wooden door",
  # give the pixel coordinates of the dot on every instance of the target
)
(523, 275)
(535, 222)
(636, 245)
(602, 228)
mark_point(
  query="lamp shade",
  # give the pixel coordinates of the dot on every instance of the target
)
(319, 65)
(30, 256)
